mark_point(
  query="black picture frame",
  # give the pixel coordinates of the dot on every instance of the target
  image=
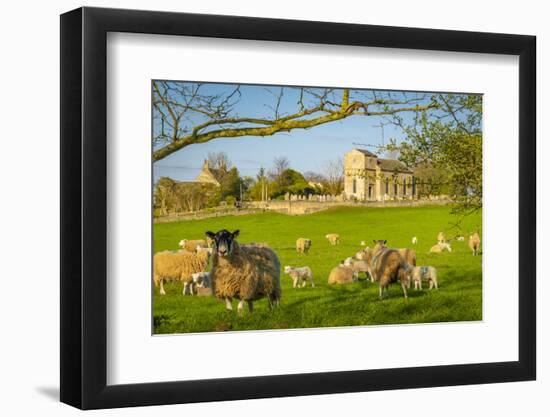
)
(84, 207)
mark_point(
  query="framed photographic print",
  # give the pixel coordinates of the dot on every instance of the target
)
(258, 208)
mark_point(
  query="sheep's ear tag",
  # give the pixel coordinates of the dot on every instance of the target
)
(236, 233)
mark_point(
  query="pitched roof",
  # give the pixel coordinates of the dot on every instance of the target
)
(393, 165)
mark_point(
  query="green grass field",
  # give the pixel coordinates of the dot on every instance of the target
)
(459, 297)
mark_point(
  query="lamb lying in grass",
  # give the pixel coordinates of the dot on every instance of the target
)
(423, 273)
(300, 276)
(441, 247)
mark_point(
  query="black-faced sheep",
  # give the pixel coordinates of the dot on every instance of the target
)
(423, 273)
(333, 238)
(300, 276)
(247, 273)
(303, 245)
(474, 243)
(178, 266)
(342, 275)
(388, 266)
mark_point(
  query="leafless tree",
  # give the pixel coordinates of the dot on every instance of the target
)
(333, 172)
(186, 113)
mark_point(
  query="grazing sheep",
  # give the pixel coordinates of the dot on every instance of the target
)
(460, 238)
(303, 245)
(191, 245)
(178, 266)
(300, 276)
(409, 255)
(474, 243)
(441, 237)
(414, 240)
(359, 266)
(440, 247)
(424, 273)
(342, 275)
(247, 273)
(388, 266)
(333, 238)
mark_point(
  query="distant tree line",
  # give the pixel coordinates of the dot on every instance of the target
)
(172, 196)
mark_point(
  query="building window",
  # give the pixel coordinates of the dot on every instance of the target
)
(387, 185)
(395, 187)
(354, 186)
(414, 186)
(404, 187)
(370, 191)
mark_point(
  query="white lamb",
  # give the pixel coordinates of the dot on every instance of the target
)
(423, 273)
(414, 240)
(300, 276)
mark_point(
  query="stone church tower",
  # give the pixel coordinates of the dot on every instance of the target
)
(207, 175)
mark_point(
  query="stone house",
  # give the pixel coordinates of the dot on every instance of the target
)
(370, 178)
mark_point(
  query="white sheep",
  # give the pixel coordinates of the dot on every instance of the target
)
(363, 243)
(191, 245)
(414, 240)
(359, 266)
(333, 238)
(441, 247)
(423, 273)
(300, 276)
(474, 242)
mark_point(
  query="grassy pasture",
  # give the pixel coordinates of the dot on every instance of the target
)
(459, 297)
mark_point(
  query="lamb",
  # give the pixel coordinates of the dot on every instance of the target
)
(201, 279)
(191, 245)
(333, 238)
(364, 255)
(342, 275)
(388, 266)
(359, 266)
(247, 273)
(303, 245)
(178, 266)
(414, 240)
(409, 255)
(424, 273)
(474, 242)
(441, 237)
(440, 247)
(300, 276)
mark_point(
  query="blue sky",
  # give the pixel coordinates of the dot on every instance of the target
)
(307, 150)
